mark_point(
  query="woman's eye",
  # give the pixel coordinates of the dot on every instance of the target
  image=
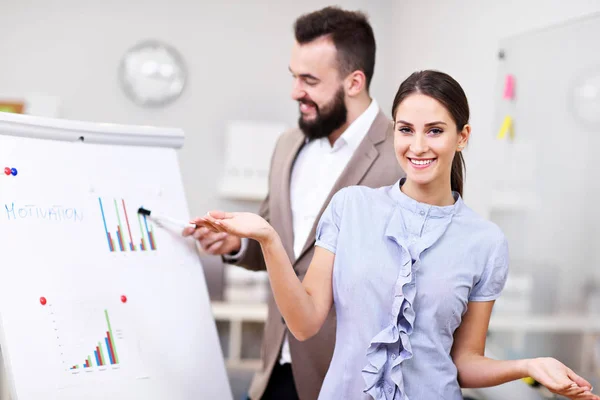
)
(404, 129)
(436, 131)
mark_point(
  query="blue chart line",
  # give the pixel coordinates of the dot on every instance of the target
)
(110, 242)
(125, 238)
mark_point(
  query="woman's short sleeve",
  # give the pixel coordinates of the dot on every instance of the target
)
(493, 278)
(328, 228)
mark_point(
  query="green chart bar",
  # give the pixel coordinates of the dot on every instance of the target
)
(142, 241)
(111, 340)
(102, 357)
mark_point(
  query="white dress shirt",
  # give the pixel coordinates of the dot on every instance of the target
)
(315, 171)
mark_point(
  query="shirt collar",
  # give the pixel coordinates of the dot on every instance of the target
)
(358, 129)
(356, 132)
(416, 207)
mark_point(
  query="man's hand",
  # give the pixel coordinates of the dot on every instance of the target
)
(212, 242)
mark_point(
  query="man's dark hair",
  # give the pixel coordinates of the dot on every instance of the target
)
(350, 32)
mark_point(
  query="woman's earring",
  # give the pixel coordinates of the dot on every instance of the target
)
(461, 147)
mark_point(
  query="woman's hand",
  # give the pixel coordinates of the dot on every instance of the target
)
(560, 379)
(241, 224)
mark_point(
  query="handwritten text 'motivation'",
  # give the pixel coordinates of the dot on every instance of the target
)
(49, 213)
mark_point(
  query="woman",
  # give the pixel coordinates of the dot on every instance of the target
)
(412, 271)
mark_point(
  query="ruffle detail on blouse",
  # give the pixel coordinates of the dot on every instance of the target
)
(397, 332)
(396, 335)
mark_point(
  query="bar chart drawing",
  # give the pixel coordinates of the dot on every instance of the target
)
(96, 339)
(103, 348)
(121, 236)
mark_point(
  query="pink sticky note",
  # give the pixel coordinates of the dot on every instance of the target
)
(509, 87)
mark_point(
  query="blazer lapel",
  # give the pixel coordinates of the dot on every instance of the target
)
(364, 156)
(287, 227)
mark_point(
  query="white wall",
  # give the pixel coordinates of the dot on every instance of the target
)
(461, 37)
(236, 52)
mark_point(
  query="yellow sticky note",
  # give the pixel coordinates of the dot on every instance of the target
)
(529, 380)
(507, 126)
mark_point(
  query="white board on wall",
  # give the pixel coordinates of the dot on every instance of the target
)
(95, 301)
(249, 146)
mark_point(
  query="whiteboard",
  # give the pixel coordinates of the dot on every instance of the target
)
(545, 185)
(249, 146)
(96, 302)
(545, 180)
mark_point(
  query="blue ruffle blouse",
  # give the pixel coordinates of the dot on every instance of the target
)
(403, 275)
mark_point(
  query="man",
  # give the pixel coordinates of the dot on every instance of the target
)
(344, 139)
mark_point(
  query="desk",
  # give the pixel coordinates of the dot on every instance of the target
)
(556, 323)
(586, 325)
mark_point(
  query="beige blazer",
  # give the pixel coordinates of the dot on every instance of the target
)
(373, 164)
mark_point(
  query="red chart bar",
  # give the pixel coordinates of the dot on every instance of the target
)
(128, 227)
(99, 356)
(152, 243)
(143, 244)
(110, 344)
(87, 363)
(112, 243)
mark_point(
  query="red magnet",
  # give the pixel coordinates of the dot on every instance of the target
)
(7, 171)
(43, 301)
(123, 299)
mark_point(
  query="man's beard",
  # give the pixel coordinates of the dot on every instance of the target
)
(327, 120)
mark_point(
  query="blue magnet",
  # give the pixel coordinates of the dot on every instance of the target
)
(14, 171)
